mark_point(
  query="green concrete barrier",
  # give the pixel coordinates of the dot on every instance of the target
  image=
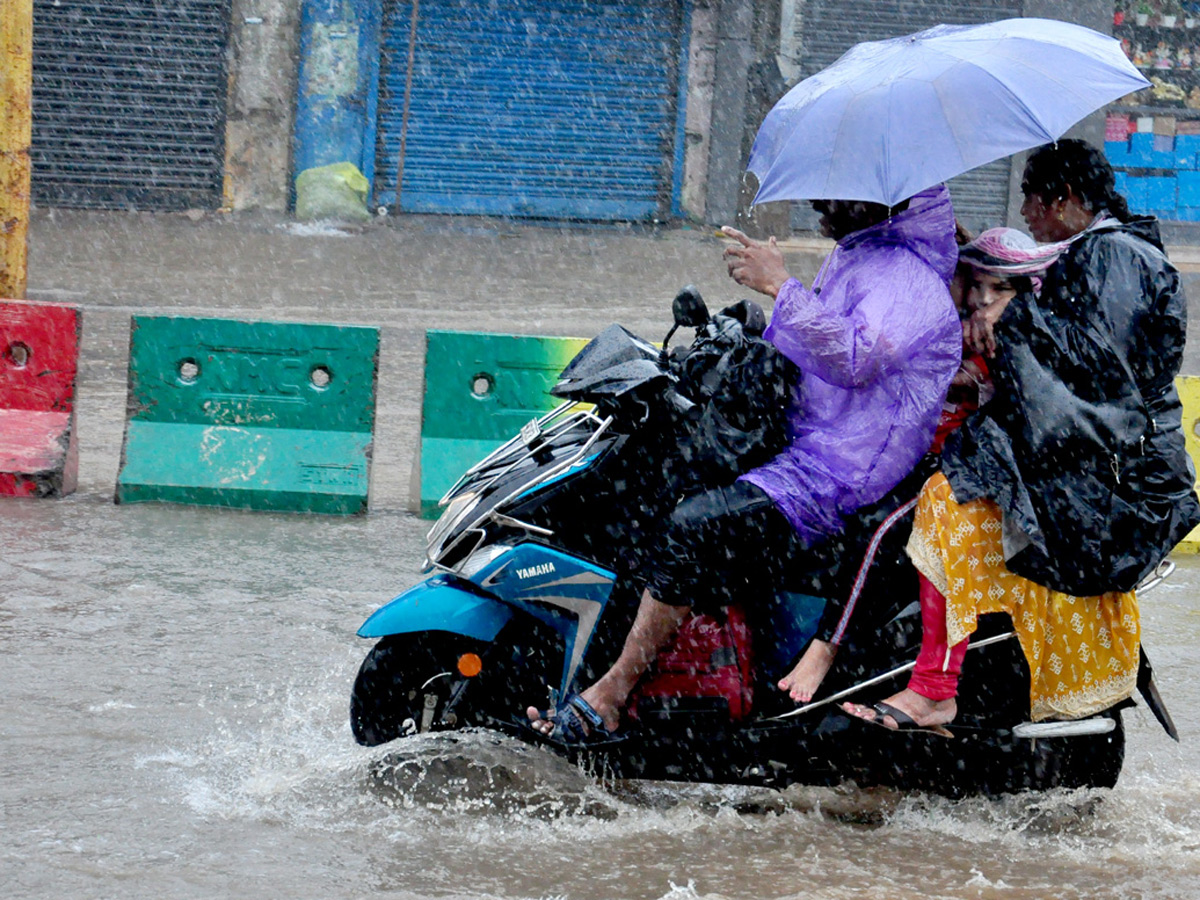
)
(253, 415)
(479, 390)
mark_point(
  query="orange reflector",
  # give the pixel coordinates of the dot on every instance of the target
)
(470, 665)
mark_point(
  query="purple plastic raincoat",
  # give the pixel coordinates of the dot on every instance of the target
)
(877, 340)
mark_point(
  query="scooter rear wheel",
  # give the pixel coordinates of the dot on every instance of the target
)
(404, 684)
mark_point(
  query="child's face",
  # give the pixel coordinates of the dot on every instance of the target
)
(984, 290)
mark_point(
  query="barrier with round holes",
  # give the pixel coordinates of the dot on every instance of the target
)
(39, 355)
(254, 415)
(479, 390)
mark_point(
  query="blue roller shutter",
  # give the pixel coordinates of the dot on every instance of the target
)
(129, 103)
(547, 109)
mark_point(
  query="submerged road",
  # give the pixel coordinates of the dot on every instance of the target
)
(175, 680)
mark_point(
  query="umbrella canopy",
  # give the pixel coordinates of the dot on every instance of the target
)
(893, 117)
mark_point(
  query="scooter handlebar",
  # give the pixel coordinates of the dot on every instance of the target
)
(680, 405)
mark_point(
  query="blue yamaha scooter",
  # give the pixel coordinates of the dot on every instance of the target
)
(534, 579)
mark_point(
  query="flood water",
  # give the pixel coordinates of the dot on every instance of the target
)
(174, 688)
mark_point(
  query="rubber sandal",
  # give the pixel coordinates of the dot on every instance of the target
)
(904, 722)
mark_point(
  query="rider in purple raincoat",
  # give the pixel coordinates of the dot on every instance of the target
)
(877, 341)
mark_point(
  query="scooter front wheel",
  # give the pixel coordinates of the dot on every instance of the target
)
(410, 683)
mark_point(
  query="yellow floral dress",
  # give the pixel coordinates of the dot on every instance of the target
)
(1082, 651)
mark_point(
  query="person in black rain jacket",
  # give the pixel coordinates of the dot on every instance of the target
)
(1083, 449)
(1060, 495)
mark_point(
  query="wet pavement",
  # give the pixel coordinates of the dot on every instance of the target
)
(401, 275)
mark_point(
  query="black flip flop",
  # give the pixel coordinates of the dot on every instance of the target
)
(904, 722)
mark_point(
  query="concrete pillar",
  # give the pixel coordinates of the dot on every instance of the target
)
(16, 126)
(1094, 14)
(702, 52)
(338, 84)
(734, 57)
(262, 99)
(745, 83)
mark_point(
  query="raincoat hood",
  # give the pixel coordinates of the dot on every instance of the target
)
(926, 228)
(1144, 227)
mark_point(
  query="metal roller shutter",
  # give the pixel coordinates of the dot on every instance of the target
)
(831, 27)
(129, 103)
(551, 109)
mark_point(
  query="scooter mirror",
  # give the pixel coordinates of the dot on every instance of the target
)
(688, 308)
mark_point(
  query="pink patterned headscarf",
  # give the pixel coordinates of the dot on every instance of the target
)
(1007, 251)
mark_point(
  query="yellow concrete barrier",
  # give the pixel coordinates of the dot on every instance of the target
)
(1189, 393)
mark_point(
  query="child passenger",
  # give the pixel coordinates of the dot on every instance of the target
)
(997, 265)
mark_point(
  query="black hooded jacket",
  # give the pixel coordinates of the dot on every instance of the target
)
(1082, 446)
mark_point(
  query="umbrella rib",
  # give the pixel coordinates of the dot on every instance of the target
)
(887, 150)
(829, 169)
(1064, 85)
(1046, 135)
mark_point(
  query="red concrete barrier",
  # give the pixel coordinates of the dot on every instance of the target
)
(39, 356)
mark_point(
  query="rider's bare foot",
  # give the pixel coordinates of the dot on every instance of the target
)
(603, 701)
(802, 682)
(925, 712)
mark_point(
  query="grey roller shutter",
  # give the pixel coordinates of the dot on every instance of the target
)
(555, 109)
(831, 27)
(129, 103)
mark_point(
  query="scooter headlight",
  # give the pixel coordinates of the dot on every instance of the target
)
(456, 511)
(481, 559)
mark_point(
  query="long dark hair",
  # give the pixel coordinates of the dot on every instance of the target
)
(1054, 170)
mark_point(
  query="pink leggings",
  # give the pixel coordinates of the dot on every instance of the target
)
(936, 673)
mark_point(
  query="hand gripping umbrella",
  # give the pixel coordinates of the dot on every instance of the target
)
(893, 117)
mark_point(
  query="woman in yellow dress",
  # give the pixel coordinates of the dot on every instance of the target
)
(1054, 501)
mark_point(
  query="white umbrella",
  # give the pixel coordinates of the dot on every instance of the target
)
(893, 117)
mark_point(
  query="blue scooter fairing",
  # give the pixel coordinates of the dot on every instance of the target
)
(566, 593)
(441, 603)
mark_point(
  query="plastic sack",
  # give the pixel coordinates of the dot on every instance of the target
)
(742, 385)
(337, 191)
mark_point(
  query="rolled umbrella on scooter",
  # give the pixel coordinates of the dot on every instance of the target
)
(891, 118)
